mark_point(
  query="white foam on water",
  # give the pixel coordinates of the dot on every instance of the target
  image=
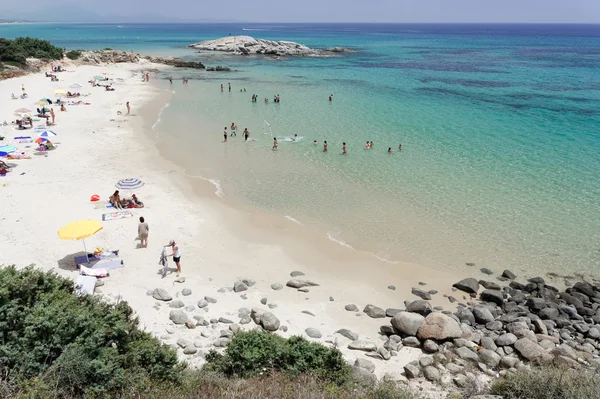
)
(338, 240)
(219, 193)
(291, 219)
(159, 115)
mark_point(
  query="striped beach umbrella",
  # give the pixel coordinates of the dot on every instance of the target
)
(75, 86)
(22, 110)
(7, 149)
(131, 183)
(47, 133)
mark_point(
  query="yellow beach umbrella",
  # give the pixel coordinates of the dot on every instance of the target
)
(60, 91)
(80, 230)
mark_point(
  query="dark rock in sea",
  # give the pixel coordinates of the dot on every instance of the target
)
(470, 264)
(218, 69)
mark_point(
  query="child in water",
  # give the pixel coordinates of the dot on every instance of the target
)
(389, 150)
(344, 149)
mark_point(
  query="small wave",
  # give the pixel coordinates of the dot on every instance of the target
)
(159, 115)
(291, 219)
(219, 193)
(254, 29)
(383, 258)
(339, 241)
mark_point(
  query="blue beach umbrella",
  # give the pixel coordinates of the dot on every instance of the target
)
(47, 133)
(130, 183)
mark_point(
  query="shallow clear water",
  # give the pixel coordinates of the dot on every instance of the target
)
(499, 125)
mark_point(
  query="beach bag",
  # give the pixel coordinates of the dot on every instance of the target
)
(95, 198)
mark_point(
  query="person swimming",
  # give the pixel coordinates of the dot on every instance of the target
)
(389, 150)
(371, 144)
(315, 142)
(367, 146)
(325, 146)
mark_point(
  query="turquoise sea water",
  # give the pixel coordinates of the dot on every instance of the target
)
(499, 126)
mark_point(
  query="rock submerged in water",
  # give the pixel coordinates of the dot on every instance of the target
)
(246, 45)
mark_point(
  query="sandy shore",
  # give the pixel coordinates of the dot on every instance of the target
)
(97, 147)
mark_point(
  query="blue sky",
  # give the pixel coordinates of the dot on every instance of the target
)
(536, 11)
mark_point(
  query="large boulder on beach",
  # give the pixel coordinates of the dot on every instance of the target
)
(468, 285)
(161, 295)
(440, 327)
(529, 349)
(419, 306)
(269, 321)
(407, 322)
(374, 311)
(178, 316)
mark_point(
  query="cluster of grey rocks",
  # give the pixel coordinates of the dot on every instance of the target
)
(499, 329)
(510, 327)
(246, 45)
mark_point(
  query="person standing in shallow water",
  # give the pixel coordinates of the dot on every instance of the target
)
(246, 134)
(400, 147)
(331, 97)
(274, 143)
(344, 149)
(229, 87)
(325, 146)
(221, 87)
(128, 108)
(233, 130)
(225, 135)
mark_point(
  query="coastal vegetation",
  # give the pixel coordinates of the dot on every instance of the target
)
(73, 54)
(56, 344)
(15, 52)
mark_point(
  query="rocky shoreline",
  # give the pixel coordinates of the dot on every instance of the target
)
(500, 328)
(247, 45)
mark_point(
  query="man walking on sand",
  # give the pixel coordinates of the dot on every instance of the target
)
(176, 255)
(143, 230)
(128, 108)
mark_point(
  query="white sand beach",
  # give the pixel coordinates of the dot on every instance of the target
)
(96, 147)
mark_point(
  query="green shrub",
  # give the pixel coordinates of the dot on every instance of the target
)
(79, 345)
(107, 49)
(548, 383)
(251, 353)
(73, 54)
(19, 49)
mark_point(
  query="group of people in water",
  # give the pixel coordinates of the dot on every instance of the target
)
(245, 134)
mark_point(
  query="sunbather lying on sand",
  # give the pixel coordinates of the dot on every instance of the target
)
(18, 156)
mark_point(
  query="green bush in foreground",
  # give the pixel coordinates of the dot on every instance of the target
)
(549, 383)
(73, 54)
(251, 353)
(52, 339)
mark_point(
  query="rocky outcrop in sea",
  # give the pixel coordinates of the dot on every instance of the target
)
(246, 45)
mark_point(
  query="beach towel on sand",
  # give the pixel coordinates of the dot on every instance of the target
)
(85, 285)
(91, 258)
(116, 215)
(108, 264)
